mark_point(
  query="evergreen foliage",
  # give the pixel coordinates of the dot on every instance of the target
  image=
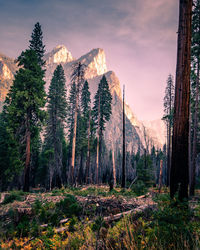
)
(36, 43)
(24, 104)
(102, 102)
(57, 111)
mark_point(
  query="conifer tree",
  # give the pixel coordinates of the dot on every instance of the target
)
(25, 101)
(168, 118)
(57, 110)
(36, 43)
(101, 113)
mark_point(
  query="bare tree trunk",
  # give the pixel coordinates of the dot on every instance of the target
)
(88, 152)
(123, 185)
(28, 157)
(74, 140)
(179, 176)
(194, 148)
(98, 134)
(114, 167)
(160, 175)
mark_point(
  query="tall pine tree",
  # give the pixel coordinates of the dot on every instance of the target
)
(25, 101)
(168, 118)
(101, 113)
(57, 111)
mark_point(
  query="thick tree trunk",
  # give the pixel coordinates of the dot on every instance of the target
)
(123, 185)
(88, 152)
(194, 148)
(28, 158)
(98, 135)
(179, 176)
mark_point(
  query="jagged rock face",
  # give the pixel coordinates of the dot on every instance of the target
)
(95, 61)
(60, 54)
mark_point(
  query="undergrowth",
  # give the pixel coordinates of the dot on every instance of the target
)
(172, 225)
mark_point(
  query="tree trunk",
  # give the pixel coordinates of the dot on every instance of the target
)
(98, 135)
(160, 175)
(114, 167)
(124, 154)
(179, 176)
(194, 148)
(168, 153)
(88, 152)
(28, 158)
(74, 140)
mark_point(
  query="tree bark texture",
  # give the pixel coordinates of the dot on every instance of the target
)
(179, 175)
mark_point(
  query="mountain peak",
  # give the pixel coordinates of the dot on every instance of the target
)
(59, 54)
(96, 62)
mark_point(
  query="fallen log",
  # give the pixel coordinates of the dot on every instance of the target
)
(120, 215)
(60, 230)
(61, 222)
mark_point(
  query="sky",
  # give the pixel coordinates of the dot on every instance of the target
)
(139, 38)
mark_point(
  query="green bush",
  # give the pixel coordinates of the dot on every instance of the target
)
(14, 196)
(139, 188)
(69, 206)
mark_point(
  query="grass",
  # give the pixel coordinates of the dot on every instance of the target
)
(172, 225)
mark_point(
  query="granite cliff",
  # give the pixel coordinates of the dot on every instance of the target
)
(137, 134)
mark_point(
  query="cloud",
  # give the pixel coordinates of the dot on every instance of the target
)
(139, 38)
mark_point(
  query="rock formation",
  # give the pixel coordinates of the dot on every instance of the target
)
(136, 133)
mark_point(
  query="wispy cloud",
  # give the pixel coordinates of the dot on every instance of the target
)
(139, 38)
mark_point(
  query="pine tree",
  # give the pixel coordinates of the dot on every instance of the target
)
(101, 114)
(57, 111)
(36, 43)
(179, 176)
(168, 118)
(25, 101)
(195, 74)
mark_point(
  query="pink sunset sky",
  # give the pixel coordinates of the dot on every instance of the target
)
(138, 37)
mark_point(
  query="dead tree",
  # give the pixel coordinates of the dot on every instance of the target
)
(179, 175)
(77, 77)
(123, 185)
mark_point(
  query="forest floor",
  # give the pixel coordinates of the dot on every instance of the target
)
(92, 217)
